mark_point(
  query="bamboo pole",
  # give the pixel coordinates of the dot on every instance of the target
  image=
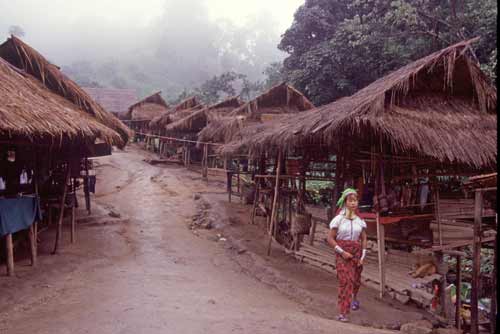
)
(10, 254)
(275, 201)
(476, 262)
(61, 213)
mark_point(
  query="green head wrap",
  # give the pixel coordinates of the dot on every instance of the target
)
(345, 193)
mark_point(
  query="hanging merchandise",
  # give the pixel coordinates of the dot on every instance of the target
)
(23, 178)
(424, 194)
(383, 202)
(11, 156)
(2, 183)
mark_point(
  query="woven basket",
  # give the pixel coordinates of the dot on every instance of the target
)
(301, 223)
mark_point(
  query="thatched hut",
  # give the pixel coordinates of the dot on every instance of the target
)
(277, 101)
(140, 114)
(182, 109)
(196, 121)
(407, 142)
(147, 108)
(114, 100)
(22, 66)
(49, 126)
(441, 106)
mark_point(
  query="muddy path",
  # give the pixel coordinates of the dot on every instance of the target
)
(146, 271)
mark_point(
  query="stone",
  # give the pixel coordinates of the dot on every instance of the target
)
(196, 197)
(402, 298)
(417, 327)
(394, 326)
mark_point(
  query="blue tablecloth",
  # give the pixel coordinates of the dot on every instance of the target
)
(17, 214)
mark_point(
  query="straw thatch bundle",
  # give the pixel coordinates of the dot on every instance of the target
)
(30, 111)
(441, 106)
(23, 57)
(197, 120)
(182, 109)
(147, 108)
(280, 99)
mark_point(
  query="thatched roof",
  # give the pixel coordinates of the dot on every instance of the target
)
(40, 102)
(147, 108)
(31, 111)
(197, 120)
(27, 59)
(441, 106)
(114, 100)
(280, 99)
(179, 111)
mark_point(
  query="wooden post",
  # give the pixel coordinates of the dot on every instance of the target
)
(493, 310)
(381, 254)
(61, 213)
(85, 189)
(380, 235)
(32, 239)
(275, 201)
(73, 215)
(10, 254)
(476, 261)
(35, 223)
(255, 201)
(238, 179)
(229, 176)
(458, 302)
(312, 232)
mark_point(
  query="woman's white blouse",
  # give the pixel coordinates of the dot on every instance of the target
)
(347, 229)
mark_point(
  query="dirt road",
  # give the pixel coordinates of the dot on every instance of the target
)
(147, 272)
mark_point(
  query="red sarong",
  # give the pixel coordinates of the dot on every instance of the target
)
(348, 274)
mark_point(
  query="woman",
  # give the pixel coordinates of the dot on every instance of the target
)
(348, 237)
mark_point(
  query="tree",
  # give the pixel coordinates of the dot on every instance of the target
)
(336, 47)
(219, 86)
(274, 75)
(17, 31)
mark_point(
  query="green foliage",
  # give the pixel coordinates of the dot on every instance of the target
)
(337, 47)
(210, 91)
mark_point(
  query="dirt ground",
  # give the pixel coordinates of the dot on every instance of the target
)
(146, 271)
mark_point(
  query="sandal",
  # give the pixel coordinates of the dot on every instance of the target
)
(342, 318)
(355, 305)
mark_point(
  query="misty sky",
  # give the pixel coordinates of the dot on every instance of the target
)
(69, 30)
